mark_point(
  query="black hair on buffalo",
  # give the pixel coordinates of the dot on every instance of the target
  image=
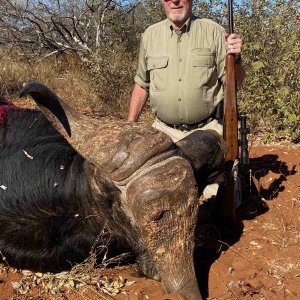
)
(47, 212)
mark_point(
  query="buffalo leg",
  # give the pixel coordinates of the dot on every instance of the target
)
(206, 151)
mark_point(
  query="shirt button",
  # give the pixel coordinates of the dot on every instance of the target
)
(179, 99)
(179, 79)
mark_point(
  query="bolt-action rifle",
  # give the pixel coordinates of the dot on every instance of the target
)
(228, 191)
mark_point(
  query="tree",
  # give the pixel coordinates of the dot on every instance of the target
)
(42, 27)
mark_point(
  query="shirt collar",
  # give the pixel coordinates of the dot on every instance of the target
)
(186, 27)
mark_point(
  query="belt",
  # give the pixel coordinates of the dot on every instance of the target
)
(189, 127)
(217, 114)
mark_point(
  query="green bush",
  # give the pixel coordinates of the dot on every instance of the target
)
(271, 93)
(110, 75)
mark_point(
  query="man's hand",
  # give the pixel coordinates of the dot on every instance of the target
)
(233, 44)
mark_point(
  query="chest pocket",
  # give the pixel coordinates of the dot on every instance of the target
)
(157, 66)
(203, 65)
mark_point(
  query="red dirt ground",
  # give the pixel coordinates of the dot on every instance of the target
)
(256, 259)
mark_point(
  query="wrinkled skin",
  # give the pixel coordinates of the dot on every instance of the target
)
(138, 183)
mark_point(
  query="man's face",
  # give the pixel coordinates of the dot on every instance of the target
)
(178, 11)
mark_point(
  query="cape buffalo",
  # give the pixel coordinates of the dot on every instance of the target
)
(66, 177)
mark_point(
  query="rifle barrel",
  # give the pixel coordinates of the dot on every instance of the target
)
(230, 16)
(230, 132)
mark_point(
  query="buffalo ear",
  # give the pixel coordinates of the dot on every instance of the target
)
(44, 97)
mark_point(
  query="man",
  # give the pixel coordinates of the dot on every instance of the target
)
(181, 66)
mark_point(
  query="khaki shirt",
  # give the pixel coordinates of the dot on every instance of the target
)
(183, 73)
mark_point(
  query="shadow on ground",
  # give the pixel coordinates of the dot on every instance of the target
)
(213, 236)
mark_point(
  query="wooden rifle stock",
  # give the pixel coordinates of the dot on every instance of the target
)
(230, 132)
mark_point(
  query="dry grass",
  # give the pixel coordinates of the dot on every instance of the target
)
(85, 277)
(65, 75)
(102, 93)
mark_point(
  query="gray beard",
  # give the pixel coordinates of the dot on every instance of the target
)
(178, 17)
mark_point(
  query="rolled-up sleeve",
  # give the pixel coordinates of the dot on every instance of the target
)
(142, 77)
